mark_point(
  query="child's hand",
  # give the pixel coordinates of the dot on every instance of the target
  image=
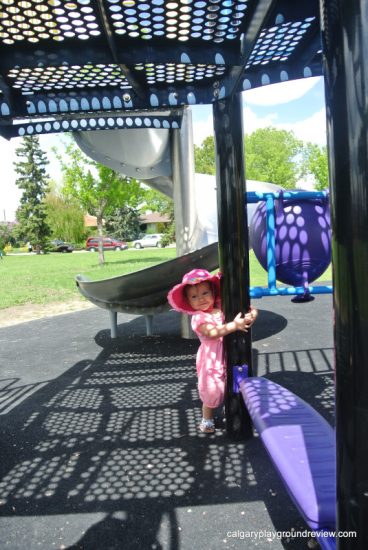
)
(251, 316)
(241, 322)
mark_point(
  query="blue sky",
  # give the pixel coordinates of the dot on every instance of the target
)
(296, 106)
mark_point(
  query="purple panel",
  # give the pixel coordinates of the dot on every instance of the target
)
(301, 444)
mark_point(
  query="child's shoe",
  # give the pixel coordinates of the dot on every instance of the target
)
(207, 426)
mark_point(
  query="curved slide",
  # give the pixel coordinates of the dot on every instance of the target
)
(144, 292)
(165, 162)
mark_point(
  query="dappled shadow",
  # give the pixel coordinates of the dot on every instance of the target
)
(308, 373)
(118, 435)
(12, 391)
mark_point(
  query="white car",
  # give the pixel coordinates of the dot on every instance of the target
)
(149, 240)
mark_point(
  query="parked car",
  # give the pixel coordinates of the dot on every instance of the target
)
(109, 243)
(61, 246)
(148, 240)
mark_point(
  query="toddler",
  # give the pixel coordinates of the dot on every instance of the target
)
(199, 295)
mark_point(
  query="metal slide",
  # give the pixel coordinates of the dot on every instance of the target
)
(144, 291)
(164, 160)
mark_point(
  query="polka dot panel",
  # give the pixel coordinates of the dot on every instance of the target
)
(39, 20)
(183, 20)
(170, 73)
(278, 43)
(66, 77)
(91, 123)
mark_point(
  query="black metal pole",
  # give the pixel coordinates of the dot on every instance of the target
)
(345, 49)
(233, 249)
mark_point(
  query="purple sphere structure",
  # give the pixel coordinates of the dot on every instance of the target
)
(302, 239)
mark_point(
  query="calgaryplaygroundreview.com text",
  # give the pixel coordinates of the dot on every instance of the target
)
(272, 535)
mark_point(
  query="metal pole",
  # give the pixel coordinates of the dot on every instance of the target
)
(345, 48)
(182, 162)
(113, 324)
(233, 249)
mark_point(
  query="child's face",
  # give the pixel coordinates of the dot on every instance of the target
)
(200, 296)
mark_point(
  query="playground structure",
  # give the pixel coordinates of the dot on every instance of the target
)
(166, 163)
(209, 52)
(132, 294)
(195, 213)
(291, 240)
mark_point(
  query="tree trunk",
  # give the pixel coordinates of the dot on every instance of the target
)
(101, 256)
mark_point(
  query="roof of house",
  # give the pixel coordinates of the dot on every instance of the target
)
(154, 217)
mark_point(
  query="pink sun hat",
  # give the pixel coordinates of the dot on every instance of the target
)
(176, 297)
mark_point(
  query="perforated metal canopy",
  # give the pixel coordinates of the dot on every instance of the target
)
(92, 64)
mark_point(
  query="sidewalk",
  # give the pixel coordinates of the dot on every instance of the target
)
(99, 439)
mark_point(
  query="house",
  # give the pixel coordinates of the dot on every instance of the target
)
(153, 222)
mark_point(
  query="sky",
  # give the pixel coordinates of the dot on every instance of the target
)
(298, 106)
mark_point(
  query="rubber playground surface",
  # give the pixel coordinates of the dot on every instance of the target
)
(99, 441)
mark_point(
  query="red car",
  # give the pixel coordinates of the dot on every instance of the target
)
(109, 243)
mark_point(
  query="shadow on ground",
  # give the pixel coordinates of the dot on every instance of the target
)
(115, 440)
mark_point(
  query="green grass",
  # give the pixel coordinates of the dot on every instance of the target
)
(40, 279)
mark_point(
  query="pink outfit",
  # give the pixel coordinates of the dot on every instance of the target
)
(210, 361)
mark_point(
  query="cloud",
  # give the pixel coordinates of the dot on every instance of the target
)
(283, 92)
(310, 129)
(202, 128)
(251, 121)
(9, 193)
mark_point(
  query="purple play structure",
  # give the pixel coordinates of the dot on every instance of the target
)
(302, 447)
(295, 226)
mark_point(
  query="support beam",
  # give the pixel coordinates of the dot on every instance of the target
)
(113, 324)
(182, 162)
(345, 47)
(233, 249)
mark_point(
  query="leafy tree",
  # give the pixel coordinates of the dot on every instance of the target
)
(97, 189)
(4, 235)
(169, 228)
(123, 223)
(32, 178)
(272, 155)
(65, 218)
(204, 157)
(158, 202)
(315, 163)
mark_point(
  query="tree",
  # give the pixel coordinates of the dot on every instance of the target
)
(5, 234)
(158, 202)
(65, 218)
(273, 155)
(169, 229)
(315, 163)
(97, 188)
(123, 223)
(32, 178)
(204, 157)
